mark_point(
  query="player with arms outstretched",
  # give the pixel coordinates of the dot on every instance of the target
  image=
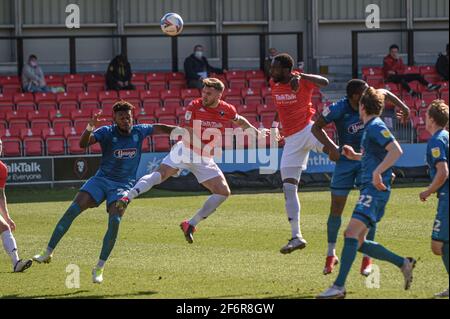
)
(7, 225)
(121, 145)
(292, 93)
(437, 159)
(347, 173)
(209, 112)
(379, 152)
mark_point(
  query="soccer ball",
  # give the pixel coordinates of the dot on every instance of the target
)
(172, 24)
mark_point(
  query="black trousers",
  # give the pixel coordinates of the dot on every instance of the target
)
(404, 79)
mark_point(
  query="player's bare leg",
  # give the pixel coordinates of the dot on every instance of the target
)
(220, 190)
(146, 183)
(81, 202)
(10, 246)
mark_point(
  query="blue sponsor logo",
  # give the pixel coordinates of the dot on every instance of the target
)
(355, 128)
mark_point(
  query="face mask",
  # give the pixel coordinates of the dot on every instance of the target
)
(33, 63)
(198, 54)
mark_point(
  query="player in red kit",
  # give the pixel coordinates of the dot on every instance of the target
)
(206, 119)
(292, 92)
(7, 225)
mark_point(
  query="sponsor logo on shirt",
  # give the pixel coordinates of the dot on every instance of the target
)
(326, 111)
(128, 153)
(436, 152)
(285, 97)
(355, 128)
(386, 133)
(188, 116)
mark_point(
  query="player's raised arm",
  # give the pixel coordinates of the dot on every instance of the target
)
(319, 133)
(164, 129)
(243, 123)
(87, 139)
(318, 80)
(394, 151)
(404, 113)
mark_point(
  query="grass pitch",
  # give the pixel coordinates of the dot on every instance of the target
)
(235, 253)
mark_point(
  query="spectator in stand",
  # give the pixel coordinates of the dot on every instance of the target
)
(118, 76)
(197, 68)
(394, 68)
(442, 65)
(268, 61)
(33, 79)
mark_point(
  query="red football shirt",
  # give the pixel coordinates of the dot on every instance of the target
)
(3, 174)
(295, 110)
(217, 118)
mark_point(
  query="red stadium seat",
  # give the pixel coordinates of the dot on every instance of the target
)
(49, 132)
(14, 115)
(69, 100)
(175, 76)
(33, 146)
(88, 100)
(235, 74)
(80, 125)
(145, 119)
(24, 102)
(169, 110)
(376, 80)
(40, 124)
(372, 70)
(220, 77)
(75, 87)
(63, 113)
(28, 132)
(190, 93)
(247, 109)
(267, 119)
(266, 91)
(444, 87)
(156, 76)
(73, 78)
(95, 149)
(180, 112)
(157, 85)
(138, 80)
(412, 70)
(46, 101)
(265, 109)
(16, 125)
(257, 83)
(60, 124)
(235, 92)
(237, 83)
(423, 135)
(161, 143)
(12, 147)
(54, 80)
(428, 69)
(169, 120)
(4, 132)
(177, 84)
(131, 97)
(444, 96)
(254, 74)
(6, 102)
(94, 82)
(234, 100)
(73, 146)
(81, 114)
(394, 88)
(146, 147)
(432, 78)
(429, 97)
(170, 94)
(55, 146)
(10, 85)
(250, 92)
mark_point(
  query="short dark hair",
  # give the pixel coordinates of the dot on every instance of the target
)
(356, 86)
(373, 101)
(286, 61)
(32, 56)
(198, 46)
(122, 105)
(438, 111)
(394, 46)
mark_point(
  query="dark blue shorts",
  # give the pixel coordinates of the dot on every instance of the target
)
(440, 229)
(346, 176)
(371, 205)
(102, 189)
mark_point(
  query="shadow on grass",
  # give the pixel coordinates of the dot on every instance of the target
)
(75, 295)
